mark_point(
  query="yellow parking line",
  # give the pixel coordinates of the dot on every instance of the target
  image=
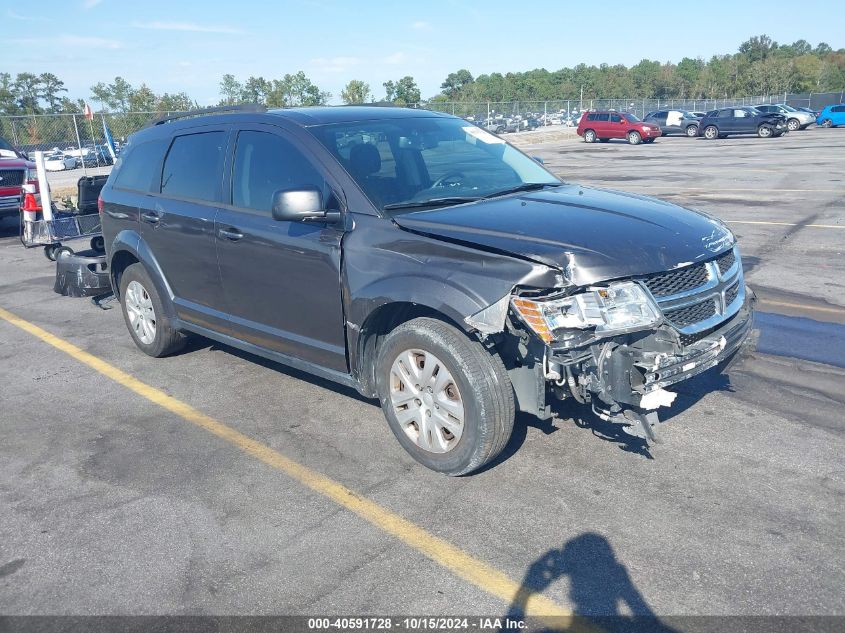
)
(440, 551)
(798, 306)
(811, 226)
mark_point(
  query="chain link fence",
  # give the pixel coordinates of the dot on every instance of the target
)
(68, 131)
(503, 109)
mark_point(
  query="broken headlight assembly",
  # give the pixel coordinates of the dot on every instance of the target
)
(618, 308)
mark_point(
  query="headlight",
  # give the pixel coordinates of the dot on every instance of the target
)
(620, 307)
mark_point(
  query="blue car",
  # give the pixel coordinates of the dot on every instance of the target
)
(832, 116)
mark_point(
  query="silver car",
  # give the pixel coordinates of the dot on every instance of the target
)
(795, 119)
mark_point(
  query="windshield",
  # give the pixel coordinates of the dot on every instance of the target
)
(633, 118)
(413, 162)
(788, 108)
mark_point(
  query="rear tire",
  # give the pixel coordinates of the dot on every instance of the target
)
(827, 123)
(634, 138)
(481, 396)
(589, 136)
(144, 314)
(711, 132)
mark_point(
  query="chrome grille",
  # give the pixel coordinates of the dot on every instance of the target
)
(725, 262)
(11, 177)
(688, 315)
(697, 298)
(675, 281)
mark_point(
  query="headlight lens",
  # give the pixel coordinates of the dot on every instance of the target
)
(620, 307)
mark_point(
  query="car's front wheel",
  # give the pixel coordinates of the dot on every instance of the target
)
(447, 399)
(793, 124)
(634, 138)
(764, 131)
(711, 132)
(144, 314)
(692, 131)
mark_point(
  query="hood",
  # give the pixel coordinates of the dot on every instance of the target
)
(590, 234)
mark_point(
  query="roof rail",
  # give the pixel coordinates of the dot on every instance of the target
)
(246, 107)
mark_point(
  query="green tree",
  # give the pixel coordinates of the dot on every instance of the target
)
(8, 100)
(114, 95)
(455, 82)
(28, 91)
(402, 92)
(757, 48)
(51, 86)
(143, 99)
(178, 102)
(256, 90)
(294, 91)
(231, 90)
(356, 91)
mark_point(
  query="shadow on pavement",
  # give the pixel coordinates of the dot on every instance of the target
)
(601, 592)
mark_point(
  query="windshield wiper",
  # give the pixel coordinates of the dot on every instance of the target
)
(526, 186)
(433, 202)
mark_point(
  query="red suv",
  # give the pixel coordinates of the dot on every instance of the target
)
(15, 170)
(606, 125)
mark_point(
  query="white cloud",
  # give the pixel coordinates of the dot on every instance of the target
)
(72, 41)
(420, 25)
(395, 58)
(90, 4)
(334, 64)
(186, 26)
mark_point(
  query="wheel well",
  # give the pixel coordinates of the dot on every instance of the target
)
(378, 324)
(119, 263)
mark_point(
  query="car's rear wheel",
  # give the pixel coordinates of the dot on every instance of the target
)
(711, 132)
(827, 123)
(589, 136)
(634, 138)
(793, 124)
(447, 399)
(144, 314)
(764, 131)
(692, 130)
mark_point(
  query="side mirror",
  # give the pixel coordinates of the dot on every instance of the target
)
(301, 205)
(539, 160)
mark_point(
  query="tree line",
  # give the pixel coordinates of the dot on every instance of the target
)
(760, 66)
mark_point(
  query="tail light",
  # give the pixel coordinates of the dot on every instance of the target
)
(100, 204)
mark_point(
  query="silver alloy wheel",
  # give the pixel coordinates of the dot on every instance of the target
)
(589, 136)
(142, 316)
(711, 132)
(764, 131)
(634, 138)
(792, 125)
(426, 401)
(692, 130)
(827, 123)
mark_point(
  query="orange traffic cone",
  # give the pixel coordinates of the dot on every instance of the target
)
(30, 206)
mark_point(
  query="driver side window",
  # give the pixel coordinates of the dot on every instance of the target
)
(265, 163)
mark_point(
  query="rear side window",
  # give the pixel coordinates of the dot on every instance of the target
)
(139, 165)
(193, 167)
(266, 163)
(602, 117)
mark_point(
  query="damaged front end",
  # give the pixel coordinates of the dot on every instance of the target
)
(617, 346)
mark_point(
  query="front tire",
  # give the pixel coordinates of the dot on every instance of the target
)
(447, 399)
(589, 136)
(634, 138)
(144, 315)
(711, 132)
(692, 131)
(764, 131)
(793, 125)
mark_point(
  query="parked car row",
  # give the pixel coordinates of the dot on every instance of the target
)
(73, 158)
(766, 121)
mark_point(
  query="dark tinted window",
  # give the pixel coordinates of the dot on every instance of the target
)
(138, 166)
(602, 117)
(615, 118)
(838, 109)
(266, 163)
(591, 117)
(193, 166)
(725, 114)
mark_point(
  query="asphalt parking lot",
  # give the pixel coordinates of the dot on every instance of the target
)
(111, 503)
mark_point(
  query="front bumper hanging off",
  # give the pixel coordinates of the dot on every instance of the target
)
(82, 275)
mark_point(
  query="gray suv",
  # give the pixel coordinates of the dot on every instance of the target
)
(423, 261)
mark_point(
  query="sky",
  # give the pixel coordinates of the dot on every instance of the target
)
(177, 46)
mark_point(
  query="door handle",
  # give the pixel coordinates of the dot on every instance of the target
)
(231, 234)
(153, 217)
